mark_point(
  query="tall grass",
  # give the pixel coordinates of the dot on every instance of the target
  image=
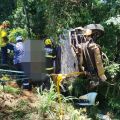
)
(49, 107)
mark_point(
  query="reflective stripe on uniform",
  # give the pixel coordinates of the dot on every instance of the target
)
(25, 84)
(54, 56)
(50, 68)
(50, 56)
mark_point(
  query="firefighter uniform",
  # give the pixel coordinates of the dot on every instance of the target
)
(58, 59)
(3, 41)
(50, 56)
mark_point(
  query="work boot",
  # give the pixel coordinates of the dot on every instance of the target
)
(27, 85)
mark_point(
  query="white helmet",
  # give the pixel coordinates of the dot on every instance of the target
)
(19, 38)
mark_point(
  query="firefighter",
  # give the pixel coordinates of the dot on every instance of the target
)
(50, 56)
(18, 53)
(3, 41)
(50, 62)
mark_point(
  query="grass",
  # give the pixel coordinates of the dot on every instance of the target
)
(9, 89)
(51, 109)
(47, 107)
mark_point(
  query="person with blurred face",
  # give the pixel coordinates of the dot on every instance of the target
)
(18, 49)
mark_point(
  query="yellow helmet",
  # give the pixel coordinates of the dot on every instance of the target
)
(3, 33)
(48, 42)
(87, 32)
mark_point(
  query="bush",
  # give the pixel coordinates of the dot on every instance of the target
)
(17, 32)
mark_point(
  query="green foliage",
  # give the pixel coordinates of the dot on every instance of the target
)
(113, 91)
(17, 32)
(49, 107)
(6, 8)
(70, 15)
(22, 104)
(18, 115)
(79, 87)
(93, 111)
(114, 21)
(113, 69)
(5, 77)
(29, 14)
(19, 18)
(9, 89)
(115, 103)
(20, 110)
(48, 98)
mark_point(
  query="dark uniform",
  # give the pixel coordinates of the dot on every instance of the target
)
(50, 62)
(3, 42)
(50, 58)
(58, 59)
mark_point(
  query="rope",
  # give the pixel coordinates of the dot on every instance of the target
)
(59, 79)
(75, 73)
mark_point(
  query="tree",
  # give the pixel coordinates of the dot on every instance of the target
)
(6, 8)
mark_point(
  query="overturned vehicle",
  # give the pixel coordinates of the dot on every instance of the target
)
(80, 52)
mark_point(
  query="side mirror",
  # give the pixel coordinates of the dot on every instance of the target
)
(90, 98)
